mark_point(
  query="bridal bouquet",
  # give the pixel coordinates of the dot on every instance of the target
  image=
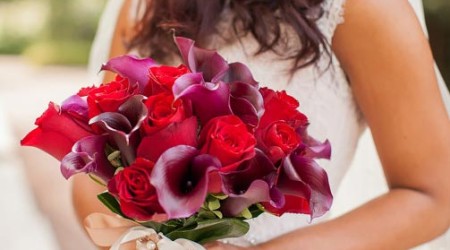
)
(189, 152)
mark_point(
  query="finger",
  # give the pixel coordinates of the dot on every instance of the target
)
(214, 245)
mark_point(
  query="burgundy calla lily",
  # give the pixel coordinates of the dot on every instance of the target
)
(303, 178)
(314, 148)
(243, 98)
(181, 177)
(88, 156)
(123, 126)
(239, 72)
(252, 182)
(246, 102)
(209, 62)
(133, 68)
(76, 107)
(208, 99)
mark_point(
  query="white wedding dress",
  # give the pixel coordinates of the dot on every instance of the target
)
(325, 97)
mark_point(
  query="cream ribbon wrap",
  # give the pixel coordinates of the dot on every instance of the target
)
(114, 232)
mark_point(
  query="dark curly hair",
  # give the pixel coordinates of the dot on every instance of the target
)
(199, 20)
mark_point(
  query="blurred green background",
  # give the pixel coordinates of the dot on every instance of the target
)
(437, 14)
(60, 32)
(49, 31)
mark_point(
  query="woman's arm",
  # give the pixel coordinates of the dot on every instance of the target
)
(84, 190)
(387, 58)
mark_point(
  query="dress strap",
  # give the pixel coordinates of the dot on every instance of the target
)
(333, 16)
(102, 43)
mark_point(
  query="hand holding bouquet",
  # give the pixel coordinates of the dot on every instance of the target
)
(190, 152)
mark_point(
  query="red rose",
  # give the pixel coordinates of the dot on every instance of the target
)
(163, 77)
(57, 131)
(137, 197)
(162, 111)
(278, 140)
(279, 106)
(108, 96)
(228, 139)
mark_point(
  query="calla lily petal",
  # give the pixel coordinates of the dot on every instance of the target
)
(301, 176)
(181, 177)
(76, 106)
(258, 191)
(133, 68)
(124, 127)
(88, 156)
(319, 150)
(251, 183)
(238, 181)
(245, 111)
(182, 133)
(314, 148)
(239, 72)
(209, 62)
(246, 102)
(250, 93)
(208, 100)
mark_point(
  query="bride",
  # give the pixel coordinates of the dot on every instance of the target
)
(352, 64)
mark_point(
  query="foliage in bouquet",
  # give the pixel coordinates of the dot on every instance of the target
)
(191, 151)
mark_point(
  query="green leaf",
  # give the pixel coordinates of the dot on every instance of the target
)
(256, 210)
(210, 230)
(164, 228)
(214, 205)
(218, 214)
(246, 214)
(97, 180)
(111, 203)
(206, 215)
(151, 224)
(115, 159)
(220, 196)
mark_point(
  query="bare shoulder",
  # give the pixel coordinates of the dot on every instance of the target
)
(386, 55)
(385, 24)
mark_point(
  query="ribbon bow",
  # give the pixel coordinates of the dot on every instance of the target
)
(116, 233)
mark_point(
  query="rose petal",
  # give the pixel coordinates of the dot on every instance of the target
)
(292, 204)
(181, 178)
(133, 68)
(56, 133)
(88, 156)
